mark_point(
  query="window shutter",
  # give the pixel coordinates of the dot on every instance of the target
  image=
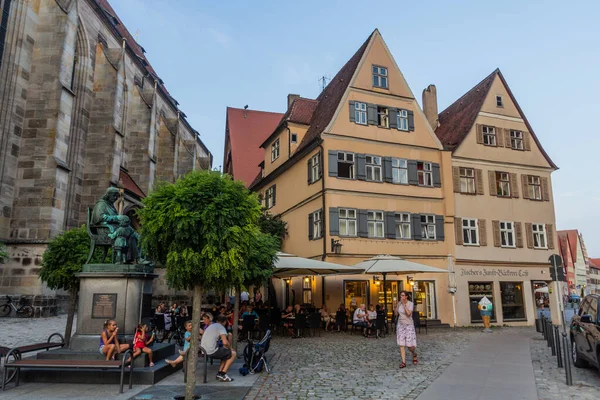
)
(413, 178)
(309, 178)
(437, 179)
(496, 233)
(492, 180)
(363, 230)
(482, 232)
(507, 138)
(479, 181)
(411, 121)
(479, 131)
(529, 234)
(387, 169)
(332, 161)
(456, 179)
(458, 233)
(525, 185)
(545, 190)
(352, 111)
(390, 225)
(274, 194)
(550, 236)
(518, 234)
(311, 234)
(361, 172)
(499, 137)
(393, 117)
(371, 114)
(334, 221)
(439, 228)
(526, 141)
(415, 226)
(514, 185)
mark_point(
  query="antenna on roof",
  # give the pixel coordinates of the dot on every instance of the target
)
(323, 82)
(245, 108)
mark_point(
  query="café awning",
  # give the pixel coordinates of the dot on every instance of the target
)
(386, 264)
(290, 265)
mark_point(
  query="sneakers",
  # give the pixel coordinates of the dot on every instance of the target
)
(223, 377)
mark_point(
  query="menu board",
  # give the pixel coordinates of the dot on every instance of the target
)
(104, 305)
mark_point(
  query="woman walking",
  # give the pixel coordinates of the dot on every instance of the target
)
(405, 331)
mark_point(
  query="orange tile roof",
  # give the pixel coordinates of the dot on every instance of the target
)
(127, 182)
(594, 262)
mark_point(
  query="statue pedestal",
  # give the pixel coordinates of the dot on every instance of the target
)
(122, 292)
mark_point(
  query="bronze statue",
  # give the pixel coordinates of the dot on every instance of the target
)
(122, 238)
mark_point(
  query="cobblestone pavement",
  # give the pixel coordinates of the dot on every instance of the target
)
(21, 331)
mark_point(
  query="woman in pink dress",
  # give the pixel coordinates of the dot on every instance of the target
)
(405, 331)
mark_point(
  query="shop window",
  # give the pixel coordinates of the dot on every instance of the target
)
(356, 293)
(306, 291)
(476, 292)
(511, 294)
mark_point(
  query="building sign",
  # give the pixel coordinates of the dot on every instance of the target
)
(104, 305)
(500, 272)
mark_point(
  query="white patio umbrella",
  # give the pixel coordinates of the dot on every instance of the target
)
(542, 290)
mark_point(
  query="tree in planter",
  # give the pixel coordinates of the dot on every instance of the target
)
(64, 257)
(204, 230)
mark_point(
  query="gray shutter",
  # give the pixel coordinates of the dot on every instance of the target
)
(334, 221)
(311, 234)
(413, 178)
(439, 228)
(363, 230)
(437, 180)
(332, 161)
(415, 226)
(309, 170)
(371, 114)
(274, 194)
(361, 171)
(352, 111)
(387, 170)
(390, 225)
(393, 115)
(411, 121)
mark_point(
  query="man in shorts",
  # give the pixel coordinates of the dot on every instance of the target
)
(226, 354)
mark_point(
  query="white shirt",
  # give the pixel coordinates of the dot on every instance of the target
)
(358, 315)
(245, 296)
(211, 336)
(372, 315)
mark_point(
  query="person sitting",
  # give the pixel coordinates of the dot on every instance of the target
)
(287, 313)
(359, 318)
(207, 320)
(371, 318)
(141, 341)
(226, 354)
(160, 309)
(183, 311)
(186, 345)
(326, 318)
(298, 309)
(174, 309)
(250, 311)
(109, 342)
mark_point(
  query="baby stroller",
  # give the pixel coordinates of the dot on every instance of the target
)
(254, 355)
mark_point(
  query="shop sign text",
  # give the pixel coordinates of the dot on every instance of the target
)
(493, 272)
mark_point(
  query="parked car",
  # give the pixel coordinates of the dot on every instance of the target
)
(585, 333)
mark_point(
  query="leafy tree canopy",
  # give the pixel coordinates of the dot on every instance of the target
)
(3, 253)
(273, 225)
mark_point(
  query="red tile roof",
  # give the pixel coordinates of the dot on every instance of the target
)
(571, 238)
(457, 120)
(300, 112)
(127, 182)
(245, 136)
(594, 262)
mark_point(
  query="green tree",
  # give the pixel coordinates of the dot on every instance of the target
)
(273, 225)
(3, 253)
(64, 257)
(204, 230)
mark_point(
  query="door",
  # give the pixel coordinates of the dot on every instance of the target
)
(355, 294)
(392, 293)
(425, 299)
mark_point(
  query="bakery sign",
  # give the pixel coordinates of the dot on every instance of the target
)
(500, 272)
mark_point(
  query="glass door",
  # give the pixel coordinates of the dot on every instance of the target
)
(355, 294)
(424, 299)
(392, 292)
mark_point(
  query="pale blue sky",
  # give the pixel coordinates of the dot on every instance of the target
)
(214, 54)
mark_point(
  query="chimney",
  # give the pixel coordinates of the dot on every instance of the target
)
(430, 107)
(245, 110)
(291, 98)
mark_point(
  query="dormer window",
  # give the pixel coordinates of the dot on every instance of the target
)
(294, 138)
(380, 77)
(499, 101)
(275, 150)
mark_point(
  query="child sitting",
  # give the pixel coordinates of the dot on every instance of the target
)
(141, 342)
(186, 345)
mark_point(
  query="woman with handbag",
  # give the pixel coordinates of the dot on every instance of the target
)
(405, 330)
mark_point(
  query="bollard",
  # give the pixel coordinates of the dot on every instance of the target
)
(567, 360)
(538, 325)
(548, 332)
(552, 340)
(543, 322)
(559, 355)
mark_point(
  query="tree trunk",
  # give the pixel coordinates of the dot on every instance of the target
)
(70, 316)
(192, 354)
(236, 318)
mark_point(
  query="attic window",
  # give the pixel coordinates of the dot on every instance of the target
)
(380, 77)
(294, 138)
(499, 101)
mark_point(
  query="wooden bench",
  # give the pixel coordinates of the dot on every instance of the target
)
(70, 364)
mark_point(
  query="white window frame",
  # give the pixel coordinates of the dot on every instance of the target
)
(516, 140)
(375, 224)
(489, 135)
(294, 138)
(426, 174)
(402, 225)
(317, 218)
(402, 120)
(400, 171)
(373, 168)
(344, 160)
(269, 197)
(507, 231)
(499, 101)
(470, 232)
(315, 167)
(383, 117)
(539, 233)
(380, 77)
(503, 185)
(275, 150)
(428, 227)
(467, 180)
(534, 187)
(348, 220)
(360, 113)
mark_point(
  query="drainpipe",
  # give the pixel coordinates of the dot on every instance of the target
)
(324, 238)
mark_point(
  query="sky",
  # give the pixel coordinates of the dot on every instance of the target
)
(215, 54)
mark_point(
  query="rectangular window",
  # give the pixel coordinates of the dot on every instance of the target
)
(499, 101)
(424, 174)
(315, 168)
(294, 138)
(467, 180)
(503, 184)
(539, 236)
(306, 290)
(375, 224)
(402, 120)
(347, 222)
(489, 135)
(534, 187)
(428, 227)
(402, 225)
(507, 234)
(275, 150)
(270, 197)
(360, 113)
(513, 307)
(476, 292)
(345, 165)
(516, 140)
(380, 77)
(400, 171)
(317, 225)
(373, 166)
(383, 120)
(469, 229)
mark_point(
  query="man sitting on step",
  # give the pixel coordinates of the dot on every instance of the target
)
(226, 354)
